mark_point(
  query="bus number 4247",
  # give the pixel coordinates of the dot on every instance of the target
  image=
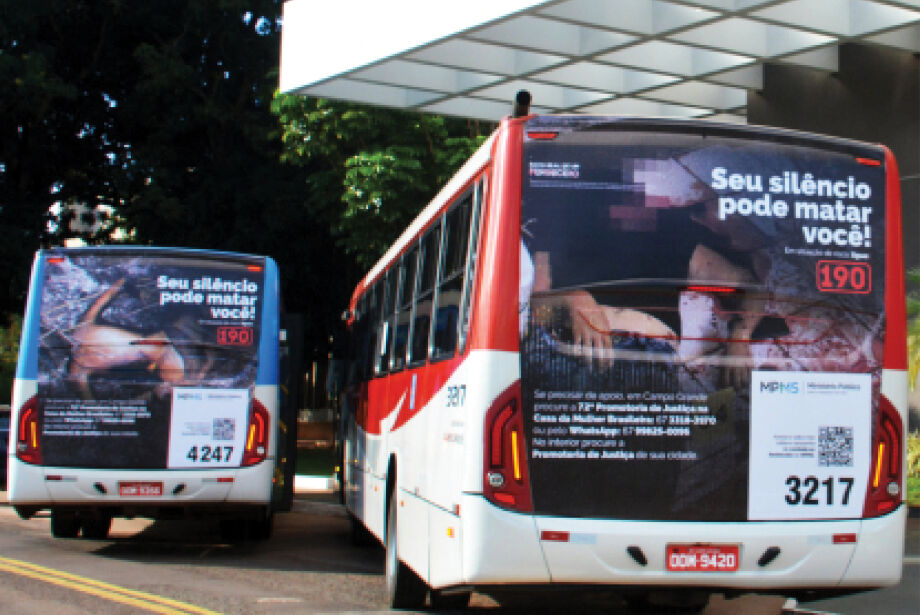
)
(205, 454)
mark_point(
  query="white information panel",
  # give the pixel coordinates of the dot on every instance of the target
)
(810, 445)
(207, 428)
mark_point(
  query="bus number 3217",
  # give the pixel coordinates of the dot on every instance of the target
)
(808, 490)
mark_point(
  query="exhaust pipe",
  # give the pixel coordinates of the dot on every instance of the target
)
(521, 105)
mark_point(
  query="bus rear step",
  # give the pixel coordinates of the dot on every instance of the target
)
(791, 607)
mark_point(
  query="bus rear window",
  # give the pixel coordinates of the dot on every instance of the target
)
(668, 275)
(125, 337)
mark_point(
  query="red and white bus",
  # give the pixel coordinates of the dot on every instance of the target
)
(654, 356)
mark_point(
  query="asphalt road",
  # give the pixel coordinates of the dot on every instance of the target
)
(309, 566)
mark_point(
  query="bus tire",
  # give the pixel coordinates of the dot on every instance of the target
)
(64, 524)
(261, 527)
(96, 527)
(405, 590)
(456, 600)
(686, 601)
(360, 536)
(340, 474)
(232, 530)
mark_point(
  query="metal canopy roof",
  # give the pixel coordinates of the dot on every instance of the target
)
(678, 58)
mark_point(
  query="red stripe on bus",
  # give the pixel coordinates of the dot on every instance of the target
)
(495, 322)
(383, 395)
(896, 317)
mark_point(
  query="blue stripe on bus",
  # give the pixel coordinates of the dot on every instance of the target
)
(268, 346)
(148, 251)
(27, 366)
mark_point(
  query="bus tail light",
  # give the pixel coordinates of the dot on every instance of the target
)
(256, 434)
(506, 481)
(884, 493)
(28, 444)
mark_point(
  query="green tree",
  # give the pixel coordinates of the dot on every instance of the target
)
(913, 326)
(380, 166)
(161, 113)
(9, 352)
(50, 148)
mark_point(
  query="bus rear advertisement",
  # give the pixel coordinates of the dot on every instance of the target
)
(147, 385)
(709, 318)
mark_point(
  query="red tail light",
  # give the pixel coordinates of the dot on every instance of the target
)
(28, 442)
(542, 135)
(712, 289)
(256, 434)
(506, 481)
(885, 492)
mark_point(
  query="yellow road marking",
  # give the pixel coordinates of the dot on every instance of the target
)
(130, 597)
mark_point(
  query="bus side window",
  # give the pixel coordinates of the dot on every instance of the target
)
(384, 328)
(403, 316)
(356, 344)
(428, 272)
(450, 287)
(370, 319)
(482, 188)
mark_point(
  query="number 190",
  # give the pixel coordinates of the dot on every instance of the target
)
(844, 277)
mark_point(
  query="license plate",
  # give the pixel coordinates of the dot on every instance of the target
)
(702, 558)
(140, 489)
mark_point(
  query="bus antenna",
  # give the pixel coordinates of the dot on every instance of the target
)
(521, 105)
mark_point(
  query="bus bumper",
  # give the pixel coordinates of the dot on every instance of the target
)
(34, 488)
(506, 547)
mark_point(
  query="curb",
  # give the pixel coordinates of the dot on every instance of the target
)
(314, 484)
(791, 607)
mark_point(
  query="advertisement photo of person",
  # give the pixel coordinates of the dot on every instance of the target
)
(660, 276)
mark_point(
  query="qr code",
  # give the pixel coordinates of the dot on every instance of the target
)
(835, 446)
(224, 429)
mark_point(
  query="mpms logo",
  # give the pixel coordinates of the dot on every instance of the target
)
(775, 386)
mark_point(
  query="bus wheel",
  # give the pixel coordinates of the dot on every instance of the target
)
(96, 528)
(261, 527)
(445, 602)
(687, 601)
(360, 536)
(404, 589)
(232, 530)
(64, 524)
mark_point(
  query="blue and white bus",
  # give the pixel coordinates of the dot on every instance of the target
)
(148, 385)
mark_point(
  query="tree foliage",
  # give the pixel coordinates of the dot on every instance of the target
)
(155, 117)
(913, 326)
(160, 112)
(382, 166)
(9, 352)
